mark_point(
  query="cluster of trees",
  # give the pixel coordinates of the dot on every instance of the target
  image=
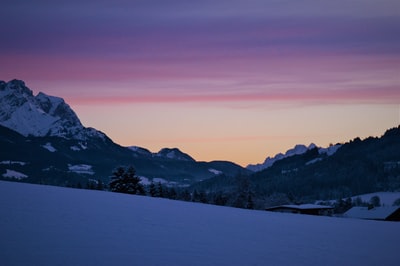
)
(358, 167)
(125, 181)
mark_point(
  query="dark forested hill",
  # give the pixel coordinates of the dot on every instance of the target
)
(357, 167)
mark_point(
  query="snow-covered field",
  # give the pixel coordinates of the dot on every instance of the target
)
(43, 225)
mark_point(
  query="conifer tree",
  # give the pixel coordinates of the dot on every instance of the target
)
(152, 190)
(126, 181)
(160, 190)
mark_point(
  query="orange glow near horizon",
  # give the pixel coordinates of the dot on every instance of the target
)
(220, 80)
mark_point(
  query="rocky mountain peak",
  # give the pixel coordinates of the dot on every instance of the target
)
(16, 87)
(40, 115)
(174, 153)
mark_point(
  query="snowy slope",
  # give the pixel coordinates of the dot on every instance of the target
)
(42, 225)
(40, 115)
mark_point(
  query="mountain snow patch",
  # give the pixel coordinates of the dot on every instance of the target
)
(330, 150)
(81, 169)
(13, 162)
(214, 171)
(14, 174)
(49, 147)
(83, 146)
(160, 180)
(144, 180)
(313, 161)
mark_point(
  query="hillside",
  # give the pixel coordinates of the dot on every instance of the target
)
(357, 167)
(44, 225)
(42, 140)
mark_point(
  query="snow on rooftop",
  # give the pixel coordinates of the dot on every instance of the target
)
(377, 213)
(304, 206)
(44, 225)
(386, 198)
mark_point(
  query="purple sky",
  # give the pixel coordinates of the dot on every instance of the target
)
(201, 59)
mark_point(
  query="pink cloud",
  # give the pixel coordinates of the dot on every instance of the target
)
(390, 95)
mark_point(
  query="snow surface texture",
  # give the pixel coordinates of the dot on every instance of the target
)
(297, 150)
(43, 225)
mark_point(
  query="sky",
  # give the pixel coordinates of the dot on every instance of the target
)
(235, 80)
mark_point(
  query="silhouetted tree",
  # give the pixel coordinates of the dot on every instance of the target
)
(220, 199)
(195, 196)
(172, 193)
(185, 195)
(396, 202)
(250, 202)
(244, 194)
(160, 190)
(153, 190)
(126, 181)
(203, 197)
(375, 201)
(99, 185)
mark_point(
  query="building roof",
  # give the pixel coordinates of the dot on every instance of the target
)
(377, 213)
(302, 207)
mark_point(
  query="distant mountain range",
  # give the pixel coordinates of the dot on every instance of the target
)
(43, 141)
(305, 174)
(297, 150)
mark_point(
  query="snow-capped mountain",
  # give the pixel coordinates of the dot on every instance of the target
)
(42, 140)
(297, 150)
(165, 153)
(40, 115)
(175, 154)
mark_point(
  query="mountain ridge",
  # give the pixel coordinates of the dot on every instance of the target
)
(40, 115)
(46, 135)
(296, 150)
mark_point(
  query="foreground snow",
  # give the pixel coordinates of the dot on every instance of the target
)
(42, 225)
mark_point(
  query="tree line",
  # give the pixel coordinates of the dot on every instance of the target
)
(125, 180)
(240, 195)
